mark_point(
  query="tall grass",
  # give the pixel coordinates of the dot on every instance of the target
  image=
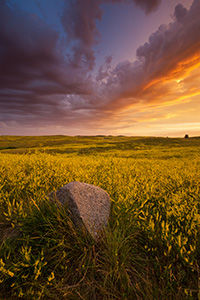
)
(150, 250)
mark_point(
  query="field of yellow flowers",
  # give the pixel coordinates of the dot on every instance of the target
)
(151, 249)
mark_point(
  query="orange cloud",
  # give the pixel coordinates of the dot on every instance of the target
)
(164, 66)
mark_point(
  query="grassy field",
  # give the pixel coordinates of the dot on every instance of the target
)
(151, 249)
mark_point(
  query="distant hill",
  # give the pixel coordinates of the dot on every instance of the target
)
(89, 144)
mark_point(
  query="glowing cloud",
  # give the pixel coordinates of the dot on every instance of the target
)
(48, 80)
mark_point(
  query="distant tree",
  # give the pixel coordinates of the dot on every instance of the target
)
(186, 136)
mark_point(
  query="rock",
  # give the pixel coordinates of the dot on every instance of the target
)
(89, 205)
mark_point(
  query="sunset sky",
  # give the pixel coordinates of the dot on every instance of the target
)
(89, 67)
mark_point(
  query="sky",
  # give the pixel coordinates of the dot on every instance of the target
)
(90, 67)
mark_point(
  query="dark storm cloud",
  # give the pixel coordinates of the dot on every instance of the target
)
(31, 56)
(180, 12)
(46, 80)
(79, 21)
(33, 65)
(38, 76)
(147, 5)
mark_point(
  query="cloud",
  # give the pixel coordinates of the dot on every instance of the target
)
(147, 5)
(46, 80)
(32, 55)
(172, 52)
(35, 74)
(79, 21)
(42, 75)
(180, 13)
(104, 70)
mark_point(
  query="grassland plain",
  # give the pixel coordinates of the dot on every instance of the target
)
(151, 249)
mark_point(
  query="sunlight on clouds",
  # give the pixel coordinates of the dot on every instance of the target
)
(50, 82)
(185, 67)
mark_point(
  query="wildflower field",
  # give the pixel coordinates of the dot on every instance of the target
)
(151, 249)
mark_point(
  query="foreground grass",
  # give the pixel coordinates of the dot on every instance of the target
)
(151, 249)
